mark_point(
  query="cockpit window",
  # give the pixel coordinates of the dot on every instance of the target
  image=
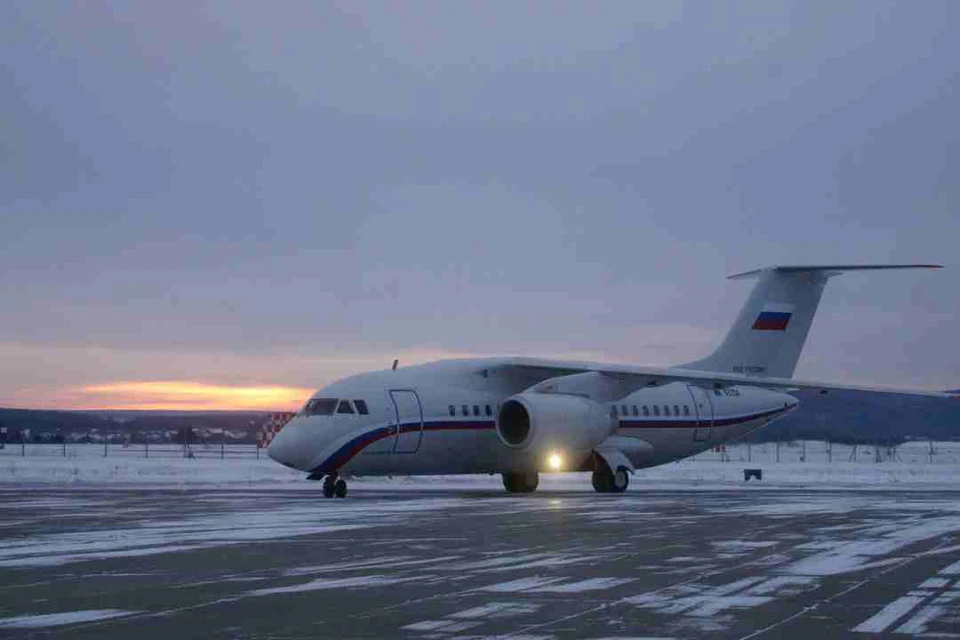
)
(320, 407)
(345, 407)
(361, 407)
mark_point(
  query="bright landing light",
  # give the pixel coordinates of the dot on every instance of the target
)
(555, 461)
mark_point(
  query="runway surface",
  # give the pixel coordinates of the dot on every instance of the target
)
(141, 563)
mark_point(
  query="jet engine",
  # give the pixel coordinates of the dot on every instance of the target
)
(542, 422)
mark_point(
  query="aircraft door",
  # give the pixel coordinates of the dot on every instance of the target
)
(409, 424)
(704, 407)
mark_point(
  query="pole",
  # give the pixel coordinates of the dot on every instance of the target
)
(221, 450)
(104, 445)
(749, 453)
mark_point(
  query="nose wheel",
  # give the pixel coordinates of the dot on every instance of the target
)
(334, 486)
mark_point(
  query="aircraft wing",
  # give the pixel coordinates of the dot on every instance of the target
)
(625, 379)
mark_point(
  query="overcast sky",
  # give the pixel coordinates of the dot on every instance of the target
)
(255, 194)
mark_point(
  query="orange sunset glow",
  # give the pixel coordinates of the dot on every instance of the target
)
(188, 396)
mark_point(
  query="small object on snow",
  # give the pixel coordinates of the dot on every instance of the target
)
(752, 473)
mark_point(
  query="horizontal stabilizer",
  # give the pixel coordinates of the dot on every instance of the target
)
(830, 270)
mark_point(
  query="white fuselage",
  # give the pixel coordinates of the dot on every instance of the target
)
(440, 418)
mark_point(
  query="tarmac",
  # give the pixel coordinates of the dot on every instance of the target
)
(453, 563)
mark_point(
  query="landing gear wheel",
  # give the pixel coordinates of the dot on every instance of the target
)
(602, 480)
(619, 481)
(340, 488)
(606, 481)
(521, 482)
(328, 486)
(531, 482)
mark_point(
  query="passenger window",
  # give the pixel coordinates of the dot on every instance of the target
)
(623, 410)
(613, 410)
(488, 411)
(676, 410)
(361, 407)
(453, 410)
(464, 410)
(666, 409)
(656, 410)
(716, 392)
(686, 410)
(345, 407)
(646, 410)
(476, 410)
(634, 409)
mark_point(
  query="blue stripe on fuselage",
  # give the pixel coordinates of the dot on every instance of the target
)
(344, 454)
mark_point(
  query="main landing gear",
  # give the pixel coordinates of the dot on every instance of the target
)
(521, 482)
(334, 486)
(607, 481)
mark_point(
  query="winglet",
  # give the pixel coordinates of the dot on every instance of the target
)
(830, 270)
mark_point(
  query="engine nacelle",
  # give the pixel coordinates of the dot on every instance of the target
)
(543, 422)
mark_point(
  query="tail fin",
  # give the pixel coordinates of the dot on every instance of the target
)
(773, 324)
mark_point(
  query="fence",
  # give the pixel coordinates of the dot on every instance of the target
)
(141, 450)
(818, 451)
(800, 451)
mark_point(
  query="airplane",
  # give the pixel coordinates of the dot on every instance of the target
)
(519, 416)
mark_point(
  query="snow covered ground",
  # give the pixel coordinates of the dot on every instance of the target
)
(801, 464)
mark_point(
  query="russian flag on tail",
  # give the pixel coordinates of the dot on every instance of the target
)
(774, 317)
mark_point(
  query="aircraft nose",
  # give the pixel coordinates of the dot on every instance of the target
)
(287, 446)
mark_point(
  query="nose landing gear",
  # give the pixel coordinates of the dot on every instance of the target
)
(334, 486)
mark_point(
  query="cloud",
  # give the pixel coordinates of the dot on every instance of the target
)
(246, 195)
(76, 376)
